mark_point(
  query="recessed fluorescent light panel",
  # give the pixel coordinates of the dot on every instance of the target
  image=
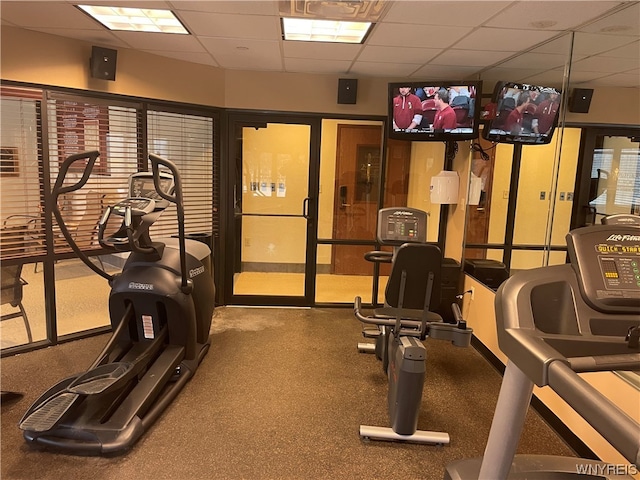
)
(306, 30)
(136, 19)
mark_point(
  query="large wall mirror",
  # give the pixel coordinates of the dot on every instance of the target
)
(527, 194)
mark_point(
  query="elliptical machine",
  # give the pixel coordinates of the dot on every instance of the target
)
(160, 305)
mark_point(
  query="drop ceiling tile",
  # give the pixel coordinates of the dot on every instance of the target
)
(631, 50)
(460, 13)
(500, 74)
(47, 14)
(591, 44)
(561, 45)
(160, 41)
(503, 39)
(440, 72)
(565, 14)
(624, 22)
(379, 53)
(103, 38)
(126, 3)
(604, 64)
(474, 58)
(543, 79)
(303, 65)
(250, 63)
(543, 61)
(320, 50)
(226, 46)
(581, 77)
(396, 34)
(194, 57)
(232, 26)
(245, 7)
(381, 69)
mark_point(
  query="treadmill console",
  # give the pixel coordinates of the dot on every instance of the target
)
(607, 263)
(402, 225)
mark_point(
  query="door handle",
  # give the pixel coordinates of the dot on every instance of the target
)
(343, 196)
(305, 208)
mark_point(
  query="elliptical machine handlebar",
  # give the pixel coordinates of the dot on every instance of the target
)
(177, 199)
(59, 189)
(91, 158)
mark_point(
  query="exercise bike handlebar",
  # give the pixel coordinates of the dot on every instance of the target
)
(458, 334)
(379, 256)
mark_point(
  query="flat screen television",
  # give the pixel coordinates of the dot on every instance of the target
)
(525, 114)
(434, 110)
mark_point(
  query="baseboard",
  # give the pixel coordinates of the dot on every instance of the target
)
(571, 439)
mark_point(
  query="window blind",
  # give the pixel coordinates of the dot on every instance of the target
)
(21, 173)
(187, 141)
(79, 125)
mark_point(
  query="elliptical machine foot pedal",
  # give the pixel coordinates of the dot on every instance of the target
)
(102, 378)
(49, 414)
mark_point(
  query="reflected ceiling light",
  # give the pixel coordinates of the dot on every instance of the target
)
(308, 30)
(136, 19)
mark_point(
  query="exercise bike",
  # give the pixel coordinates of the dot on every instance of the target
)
(160, 305)
(405, 320)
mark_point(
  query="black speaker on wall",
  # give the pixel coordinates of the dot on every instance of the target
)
(347, 90)
(580, 100)
(103, 63)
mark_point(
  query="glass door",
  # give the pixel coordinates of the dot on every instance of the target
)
(272, 239)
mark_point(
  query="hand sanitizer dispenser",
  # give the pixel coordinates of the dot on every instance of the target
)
(444, 187)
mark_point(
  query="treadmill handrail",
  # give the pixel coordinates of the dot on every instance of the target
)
(619, 429)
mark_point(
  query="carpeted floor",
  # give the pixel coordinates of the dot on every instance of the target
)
(280, 395)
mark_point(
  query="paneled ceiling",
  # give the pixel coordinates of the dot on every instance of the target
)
(518, 40)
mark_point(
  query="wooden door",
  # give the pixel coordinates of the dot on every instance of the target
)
(358, 176)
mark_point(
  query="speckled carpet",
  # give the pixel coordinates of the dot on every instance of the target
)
(280, 395)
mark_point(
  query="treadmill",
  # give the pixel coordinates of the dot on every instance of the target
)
(554, 323)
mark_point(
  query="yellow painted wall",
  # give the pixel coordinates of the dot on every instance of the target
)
(456, 223)
(427, 160)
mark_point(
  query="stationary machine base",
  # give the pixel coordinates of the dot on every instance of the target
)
(387, 433)
(366, 347)
(543, 467)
